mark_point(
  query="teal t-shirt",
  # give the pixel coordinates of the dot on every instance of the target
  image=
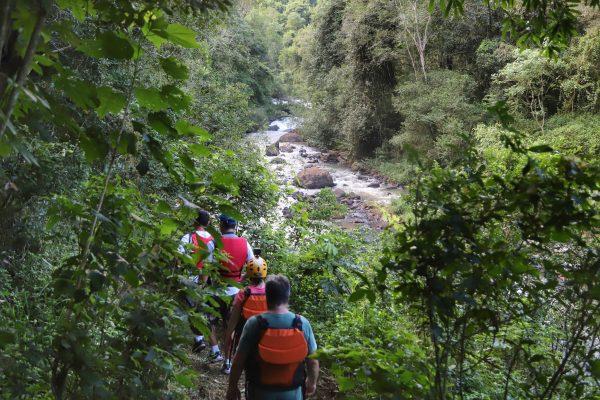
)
(249, 342)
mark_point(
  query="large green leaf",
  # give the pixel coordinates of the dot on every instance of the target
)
(186, 129)
(151, 99)
(79, 8)
(174, 68)
(108, 45)
(161, 123)
(181, 35)
(110, 101)
(175, 97)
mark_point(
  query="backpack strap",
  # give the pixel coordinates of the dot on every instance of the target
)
(297, 323)
(247, 293)
(263, 324)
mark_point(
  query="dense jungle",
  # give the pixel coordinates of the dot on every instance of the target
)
(425, 173)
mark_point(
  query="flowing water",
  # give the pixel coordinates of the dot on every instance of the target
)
(366, 189)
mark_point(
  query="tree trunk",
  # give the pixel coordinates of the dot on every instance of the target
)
(23, 71)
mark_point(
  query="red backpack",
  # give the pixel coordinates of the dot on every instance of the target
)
(194, 239)
(254, 304)
(279, 361)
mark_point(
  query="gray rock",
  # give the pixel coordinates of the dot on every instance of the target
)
(291, 137)
(271, 150)
(314, 178)
(339, 193)
(374, 185)
(286, 147)
(273, 127)
(277, 160)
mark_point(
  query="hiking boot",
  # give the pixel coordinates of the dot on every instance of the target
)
(198, 346)
(226, 369)
(215, 357)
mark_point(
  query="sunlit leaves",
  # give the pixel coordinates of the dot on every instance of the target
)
(79, 8)
(159, 32)
(151, 99)
(181, 35)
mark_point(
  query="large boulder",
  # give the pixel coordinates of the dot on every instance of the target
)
(273, 127)
(291, 137)
(277, 160)
(314, 178)
(330, 157)
(272, 150)
(286, 147)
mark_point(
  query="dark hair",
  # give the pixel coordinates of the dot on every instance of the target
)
(278, 291)
(226, 222)
(203, 218)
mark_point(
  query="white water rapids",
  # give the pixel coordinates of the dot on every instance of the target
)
(352, 183)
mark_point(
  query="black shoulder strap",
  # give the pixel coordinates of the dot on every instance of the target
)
(248, 291)
(262, 322)
(297, 323)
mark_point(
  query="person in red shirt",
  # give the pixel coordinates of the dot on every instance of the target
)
(248, 302)
(236, 252)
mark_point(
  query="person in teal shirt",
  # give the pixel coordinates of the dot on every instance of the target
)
(278, 316)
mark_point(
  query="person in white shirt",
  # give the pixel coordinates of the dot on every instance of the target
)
(201, 241)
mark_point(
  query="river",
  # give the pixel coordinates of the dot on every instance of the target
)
(364, 194)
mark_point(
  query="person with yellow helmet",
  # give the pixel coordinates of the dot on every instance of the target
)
(247, 303)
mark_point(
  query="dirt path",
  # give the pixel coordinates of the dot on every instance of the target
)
(212, 384)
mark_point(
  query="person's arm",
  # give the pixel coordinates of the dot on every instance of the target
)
(250, 252)
(233, 391)
(248, 341)
(313, 375)
(234, 318)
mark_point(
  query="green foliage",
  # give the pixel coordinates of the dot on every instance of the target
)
(478, 259)
(373, 354)
(324, 206)
(437, 114)
(103, 158)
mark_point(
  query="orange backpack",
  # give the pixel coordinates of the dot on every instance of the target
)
(279, 362)
(254, 304)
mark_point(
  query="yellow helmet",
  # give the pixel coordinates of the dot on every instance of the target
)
(256, 268)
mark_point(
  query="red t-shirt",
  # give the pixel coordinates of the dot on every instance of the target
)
(240, 297)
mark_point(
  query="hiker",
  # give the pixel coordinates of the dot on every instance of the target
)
(273, 351)
(203, 243)
(238, 252)
(248, 302)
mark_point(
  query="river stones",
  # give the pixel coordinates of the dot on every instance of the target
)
(330, 157)
(286, 148)
(291, 137)
(374, 185)
(271, 150)
(277, 160)
(314, 178)
(339, 193)
(273, 127)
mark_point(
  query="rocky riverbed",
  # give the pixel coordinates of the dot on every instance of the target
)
(305, 170)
